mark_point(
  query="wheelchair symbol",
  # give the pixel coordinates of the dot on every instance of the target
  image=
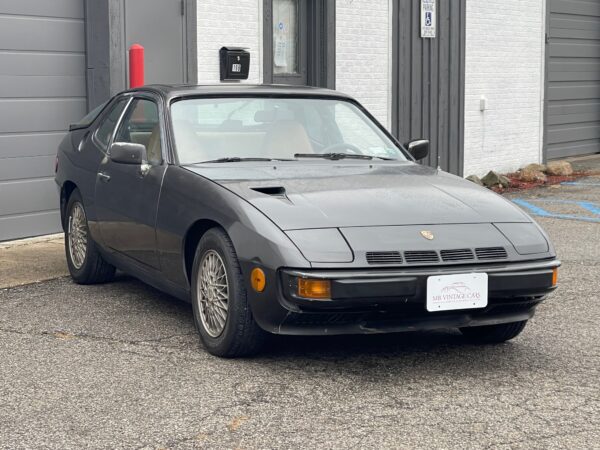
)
(428, 18)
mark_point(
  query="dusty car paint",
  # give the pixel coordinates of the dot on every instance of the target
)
(143, 227)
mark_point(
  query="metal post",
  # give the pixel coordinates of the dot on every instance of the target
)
(136, 66)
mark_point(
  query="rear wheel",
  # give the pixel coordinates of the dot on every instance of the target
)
(494, 334)
(85, 263)
(221, 311)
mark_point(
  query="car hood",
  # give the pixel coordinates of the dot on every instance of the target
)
(300, 195)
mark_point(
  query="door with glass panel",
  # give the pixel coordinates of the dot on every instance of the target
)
(289, 39)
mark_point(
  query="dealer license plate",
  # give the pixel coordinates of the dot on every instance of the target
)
(460, 291)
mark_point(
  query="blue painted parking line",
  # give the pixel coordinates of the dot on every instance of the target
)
(531, 207)
(592, 207)
(578, 183)
(541, 212)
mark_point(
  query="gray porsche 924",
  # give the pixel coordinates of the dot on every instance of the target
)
(286, 210)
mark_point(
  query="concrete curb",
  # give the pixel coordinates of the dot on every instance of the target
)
(32, 260)
(32, 240)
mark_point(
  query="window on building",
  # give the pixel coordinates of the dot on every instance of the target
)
(285, 37)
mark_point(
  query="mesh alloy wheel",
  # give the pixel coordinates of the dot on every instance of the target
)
(78, 235)
(213, 293)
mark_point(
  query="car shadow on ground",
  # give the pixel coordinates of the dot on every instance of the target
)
(427, 349)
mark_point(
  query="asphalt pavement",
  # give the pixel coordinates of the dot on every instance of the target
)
(120, 366)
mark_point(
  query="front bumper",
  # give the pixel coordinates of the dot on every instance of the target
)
(389, 300)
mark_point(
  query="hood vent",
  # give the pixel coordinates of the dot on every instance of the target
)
(461, 254)
(416, 257)
(384, 258)
(273, 191)
(491, 253)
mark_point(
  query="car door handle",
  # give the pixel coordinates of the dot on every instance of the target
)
(104, 177)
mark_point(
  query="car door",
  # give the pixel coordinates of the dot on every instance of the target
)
(126, 194)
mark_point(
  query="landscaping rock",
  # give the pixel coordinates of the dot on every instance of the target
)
(560, 168)
(493, 179)
(531, 176)
(475, 179)
(536, 167)
(504, 181)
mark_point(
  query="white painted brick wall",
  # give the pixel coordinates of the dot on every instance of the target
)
(504, 63)
(228, 22)
(363, 51)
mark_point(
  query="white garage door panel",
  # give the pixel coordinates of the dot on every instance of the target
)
(67, 34)
(579, 7)
(42, 91)
(572, 123)
(592, 117)
(33, 224)
(19, 145)
(42, 86)
(574, 90)
(574, 132)
(44, 8)
(32, 167)
(582, 147)
(39, 114)
(23, 197)
(26, 63)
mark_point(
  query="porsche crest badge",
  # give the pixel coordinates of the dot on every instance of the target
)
(427, 235)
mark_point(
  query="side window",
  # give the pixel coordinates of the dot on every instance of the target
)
(141, 126)
(108, 124)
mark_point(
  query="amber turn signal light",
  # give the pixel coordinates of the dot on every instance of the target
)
(555, 276)
(311, 288)
(258, 280)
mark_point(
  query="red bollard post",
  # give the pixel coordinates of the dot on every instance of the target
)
(136, 66)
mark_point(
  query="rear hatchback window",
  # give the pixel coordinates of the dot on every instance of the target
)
(89, 117)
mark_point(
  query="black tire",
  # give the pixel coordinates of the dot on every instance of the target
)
(241, 336)
(494, 334)
(93, 269)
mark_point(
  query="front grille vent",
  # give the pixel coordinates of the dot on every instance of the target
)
(384, 258)
(415, 257)
(461, 254)
(491, 253)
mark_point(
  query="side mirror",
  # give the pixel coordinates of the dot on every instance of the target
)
(419, 149)
(128, 153)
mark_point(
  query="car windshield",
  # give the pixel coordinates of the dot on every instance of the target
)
(261, 128)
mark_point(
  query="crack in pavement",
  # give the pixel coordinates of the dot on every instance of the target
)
(95, 337)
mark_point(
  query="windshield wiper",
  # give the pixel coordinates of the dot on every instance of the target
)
(235, 159)
(336, 156)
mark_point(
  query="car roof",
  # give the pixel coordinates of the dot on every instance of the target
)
(171, 91)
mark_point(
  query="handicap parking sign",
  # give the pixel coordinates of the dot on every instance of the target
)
(428, 18)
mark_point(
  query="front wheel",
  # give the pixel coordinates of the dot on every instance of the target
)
(85, 263)
(221, 311)
(494, 334)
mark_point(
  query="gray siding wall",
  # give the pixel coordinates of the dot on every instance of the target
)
(428, 81)
(572, 78)
(42, 90)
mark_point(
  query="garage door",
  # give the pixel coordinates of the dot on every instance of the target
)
(42, 90)
(573, 77)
